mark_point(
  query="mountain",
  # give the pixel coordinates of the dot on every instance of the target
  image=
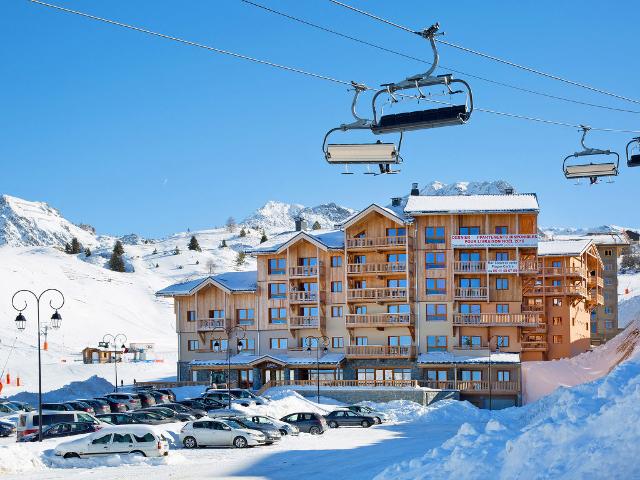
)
(494, 187)
(276, 216)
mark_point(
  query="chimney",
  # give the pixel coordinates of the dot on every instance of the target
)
(396, 201)
(301, 224)
(508, 190)
(414, 189)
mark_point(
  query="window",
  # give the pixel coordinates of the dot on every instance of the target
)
(361, 309)
(277, 315)
(399, 341)
(470, 308)
(557, 283)
(278, 343)
(469, 283)
(336, 312)
(246, 377)
(247, 344)
(504, 376)
(397, 283)
(219, 345)
(503, 341)
(307, 261)
(365, 374)
(436, 286)
(193, 345)
(502, 284)
(502, 256)
(556, 264)
(122, 438)
(146, 438)
(608, 310)
(501, 230)
(360, 259)
(397, 232)
(608, 253)
(608, 324)
(399, 258)
(436, 312)
(556, 320)
(309, 287)
(435, 259)
(437, 375)
(471, 375)
(216, 313)
(469, 230)
(502, 308)
(277, 266)
(402, 308)
(358, 284)
(277, 290)
(557, 302)
(608, 281)
(336, 287)
(336, 261)
(337, 342)
(557, 339)
(434, 235)
(308, 311)
(191, 316)
(362, 341)
(469, 256)
(594, 327)
(608, 267)
(245, 316)
(102, 440)
(573, 321)
(470, 342)
(437, 343)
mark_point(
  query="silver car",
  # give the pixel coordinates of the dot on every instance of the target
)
(219, 433)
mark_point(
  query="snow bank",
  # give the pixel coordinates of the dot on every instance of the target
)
(92, 387)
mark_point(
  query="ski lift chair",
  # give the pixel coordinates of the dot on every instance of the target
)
(452, 114)
(593, 170)
(633, 159)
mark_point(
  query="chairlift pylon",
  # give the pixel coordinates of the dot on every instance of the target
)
(379, 153)
(594, 170)
(633, 159)
(450, 115)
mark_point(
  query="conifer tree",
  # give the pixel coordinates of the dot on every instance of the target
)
(67, 248)
(263, 238)
(316, 225)
(75, 246)
(87, 252)
(223, 244)
(194, 245)
(116, 262)
(243, 232)
(241, 259)
(118, 248)
(176, 251)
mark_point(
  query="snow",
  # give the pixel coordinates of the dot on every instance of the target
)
(280, 217)
(563, 247)
(418, 204)
(448, 357)
(333, 239)
(246, 359)
(233, 281)
(496, 187)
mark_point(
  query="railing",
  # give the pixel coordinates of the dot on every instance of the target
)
(534, 346)
(374, 351)
(471, 385)
(528, 266)
(346, 383)
(496, 319)
(573, 290)
(470, 267)
(483, 346)
(308, 321)
(303, 296)
(385, 293)
(438, 384)
(532, 308)
(596, 297)
(304, 271)
(596, 282)
(210, 324)
(388, 267)
(563, 271)
(372, 242)
(473, 292)
(379, 320)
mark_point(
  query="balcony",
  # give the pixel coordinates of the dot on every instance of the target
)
(469, 267)
(472, 293)
(377, 294)
(379, 351)
(596, 282)
(557, 290)
(210, 324)
(472, 386)
(303, 297)
(298, 322)
(564, 272)
(379, 320)
(304, 271)
(376, 268)
(534, 346)
(532, 308)
(471, 348)
(497, 319)
(513, 267)
(377, 242)
(596, 297)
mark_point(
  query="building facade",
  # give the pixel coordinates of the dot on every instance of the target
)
(434, 290)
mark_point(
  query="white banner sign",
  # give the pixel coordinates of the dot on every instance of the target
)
(497, 240)
(502, 266)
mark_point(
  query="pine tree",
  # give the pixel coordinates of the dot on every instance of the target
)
(176, 251)
(157, 265)
(223, 244)
(75, 246)
(67, 248)
(263, 238)
(243, 233)
(87, 252)
(116, 262)
(194, 245)
(118, 248)
(231, 224)
(155, 251)
(316, 225)
(241, 259)
(197, 262)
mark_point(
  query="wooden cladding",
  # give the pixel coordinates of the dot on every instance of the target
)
(377, 242)
(472, 293)
(497, 319)
(377, 294)
(376, 268)
(379, 320)
(379, 351)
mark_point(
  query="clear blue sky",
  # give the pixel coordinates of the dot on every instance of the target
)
(134, 133)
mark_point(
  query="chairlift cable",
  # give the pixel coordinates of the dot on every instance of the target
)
(410, 57)
(488, 56)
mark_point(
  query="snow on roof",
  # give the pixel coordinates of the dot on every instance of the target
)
(245, 359)
(448, 357)
(612, 238)
(395, 214)
(563, 247)
(432, 204)
(183, 288)
(332, 239)
(231, 281)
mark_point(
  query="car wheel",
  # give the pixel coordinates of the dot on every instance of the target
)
(190, 442)
(333, 424)
(366, 423)
(240, 442)
(71, 455)
(137, 453)
(283, 432)
(378, 420)
(315, 431)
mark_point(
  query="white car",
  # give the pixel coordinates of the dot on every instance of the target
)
(284, 427)
(226, 412)
(125, 439)
(219, 433)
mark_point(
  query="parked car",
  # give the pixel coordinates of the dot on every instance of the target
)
(223, 397)
(114, 405)
(59, 407)
(125, 439)
(7, 409)
(219, 433)
(224, 412)
(179, 408)
(80, 406)
(118, 418)
(159, 396)
(241, 394)
(62, 430)
(168, 392)
(99, 406)
(284, 427)
(312, 423)
(364, 410)
(169, 413)
(28, 422)
(204, 403)
(23, 406)
(7, 428)
(146, 399)
(271, 432)
(347, 418)
(129, 399)
(150, 418)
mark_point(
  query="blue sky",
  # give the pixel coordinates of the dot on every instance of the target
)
(134, 133)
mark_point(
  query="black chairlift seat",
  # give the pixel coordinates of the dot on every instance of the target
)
(422, 119)
(634, 161)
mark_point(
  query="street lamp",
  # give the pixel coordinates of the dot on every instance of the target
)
(21, 323)
(325, 344)
(110, 339)
(238, 330)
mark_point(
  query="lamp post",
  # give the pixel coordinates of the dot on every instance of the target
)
(110, 339)
(229, 331)
(21, 323)
(325, 344)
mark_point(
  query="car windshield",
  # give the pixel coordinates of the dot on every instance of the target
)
(164, 411)
(233, 423)
(180, 408)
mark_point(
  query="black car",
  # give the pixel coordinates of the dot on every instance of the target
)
(114, 405)
(168, 392)
(308, 422)
(146, 399)
(7, 428)
(203, 403)
(80, 406)
(118, 418)
(179, 408)
(21, 405)
(170, 414)
(99, 406)
(159, 397)
(347, 418)
(59, 407)
(62, 430)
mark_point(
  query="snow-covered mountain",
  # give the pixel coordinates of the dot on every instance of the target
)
(277, 216)
(494, 187)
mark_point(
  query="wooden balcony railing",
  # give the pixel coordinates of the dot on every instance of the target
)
(347, 383)
(303, 297)
(439, 384)
(529, 266)
(472, 386)
(534, 346)
(304, 271)
(470, 267)
(569, 290)
(564, 271)
(596, 297)
(532, 308)
(379, 320)
(497, 319)
(480, 293)
(309, 321)
(376, 242)
(384, 293)
(596, 282)
(210, 324)
(379, 351)
(376, 268)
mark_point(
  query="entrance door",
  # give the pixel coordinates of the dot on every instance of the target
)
(272, 374)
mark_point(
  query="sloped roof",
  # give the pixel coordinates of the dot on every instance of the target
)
(374, 207)
(328, 239)
(231, 282)
(563, 247)
(448, 357)
(613, 238)
(435, 204)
